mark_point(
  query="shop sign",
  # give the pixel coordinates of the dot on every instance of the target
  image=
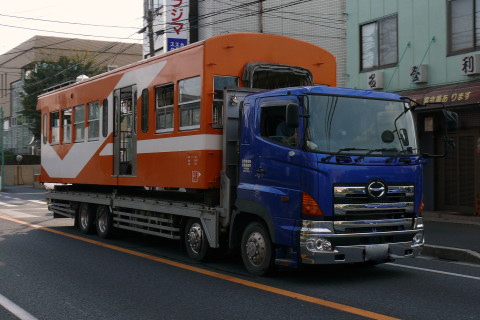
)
(458, 95)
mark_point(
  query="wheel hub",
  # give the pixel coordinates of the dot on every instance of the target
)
(195, 237)
(255, 248)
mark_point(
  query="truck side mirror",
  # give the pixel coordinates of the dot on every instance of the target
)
(292, 115)
(451, 120)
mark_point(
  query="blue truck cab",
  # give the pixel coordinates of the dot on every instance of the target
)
(331, 175)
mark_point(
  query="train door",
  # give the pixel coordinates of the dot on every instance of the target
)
(125, 131)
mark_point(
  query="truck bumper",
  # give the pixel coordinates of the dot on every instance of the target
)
(319, 244)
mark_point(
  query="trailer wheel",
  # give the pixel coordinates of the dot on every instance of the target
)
(86, 218)
(196, 242)
(104, 222)
(257, 249)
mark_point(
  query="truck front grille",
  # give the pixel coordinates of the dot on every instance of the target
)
(393, 212)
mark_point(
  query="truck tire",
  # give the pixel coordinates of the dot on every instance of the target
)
(257, 249)
(104, 222)
(196, 242)
(86, 218)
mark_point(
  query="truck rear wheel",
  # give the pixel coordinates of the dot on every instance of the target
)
(86, 218)
(257, 249)
(196, 242)
(104, 222)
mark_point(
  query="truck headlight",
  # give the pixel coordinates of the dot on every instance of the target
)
(418, 238)
(315, 244)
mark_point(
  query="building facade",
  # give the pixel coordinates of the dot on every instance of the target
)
(428, 50)
(319, 22)
(13, 67)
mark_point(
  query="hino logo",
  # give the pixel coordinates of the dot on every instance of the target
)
(376, 189)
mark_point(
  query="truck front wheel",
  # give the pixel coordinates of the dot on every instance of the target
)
(257, 249)
(196, 242)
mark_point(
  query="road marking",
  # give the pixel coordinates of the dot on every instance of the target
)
(8, 204)
(282, 292)
(16, 310)
(435, 271)
(16, 214)
(37, 201)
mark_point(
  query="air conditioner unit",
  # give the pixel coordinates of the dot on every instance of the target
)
(375, 80)
(470, 64)
(419, 73)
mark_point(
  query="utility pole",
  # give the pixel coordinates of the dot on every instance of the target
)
(150, 28)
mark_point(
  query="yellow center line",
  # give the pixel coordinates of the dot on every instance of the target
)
(286, 293)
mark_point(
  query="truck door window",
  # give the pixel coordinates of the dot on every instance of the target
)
(274, 128)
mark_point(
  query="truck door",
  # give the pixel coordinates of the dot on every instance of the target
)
(125, 131)
(278, 166)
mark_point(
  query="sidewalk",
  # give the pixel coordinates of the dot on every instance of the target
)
(452, 236)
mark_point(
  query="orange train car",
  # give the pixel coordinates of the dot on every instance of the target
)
(158, 122)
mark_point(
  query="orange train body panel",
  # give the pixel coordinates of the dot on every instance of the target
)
(121, 151)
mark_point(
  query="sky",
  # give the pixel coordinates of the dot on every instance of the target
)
(106, 20)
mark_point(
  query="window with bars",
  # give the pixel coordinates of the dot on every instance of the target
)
(164, 108)
(93, 120)
(189, 103)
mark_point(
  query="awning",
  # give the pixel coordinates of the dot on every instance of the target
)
(452, 95)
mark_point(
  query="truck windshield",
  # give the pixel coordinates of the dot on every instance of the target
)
(355, 125)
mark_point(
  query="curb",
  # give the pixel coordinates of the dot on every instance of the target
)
(454, 254)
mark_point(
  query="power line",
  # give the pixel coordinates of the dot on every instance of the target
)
(68, 22)
(70, 33)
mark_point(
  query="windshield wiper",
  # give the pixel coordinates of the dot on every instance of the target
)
(376, 150)
(340, 151)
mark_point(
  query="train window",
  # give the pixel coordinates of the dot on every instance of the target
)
(219, 84)
(93, 120)
(164, 108)
(144, 111)
(105, 118)
(67, 125)
(79, 123)
(55, 126)
(189, 103)
(45, 128)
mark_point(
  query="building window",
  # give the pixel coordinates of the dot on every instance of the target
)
(55, 124)
(79, 123)
(464, 25)
(164, 108)
(93, 120)
(189, 103)
(379, 44)
(219, 84)
(67, 125)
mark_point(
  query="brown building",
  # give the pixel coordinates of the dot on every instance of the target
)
(18, 138)
(451, 180)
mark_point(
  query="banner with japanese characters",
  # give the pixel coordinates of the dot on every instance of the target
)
(177, 27)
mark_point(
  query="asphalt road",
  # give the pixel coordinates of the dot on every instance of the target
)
(49, 270)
